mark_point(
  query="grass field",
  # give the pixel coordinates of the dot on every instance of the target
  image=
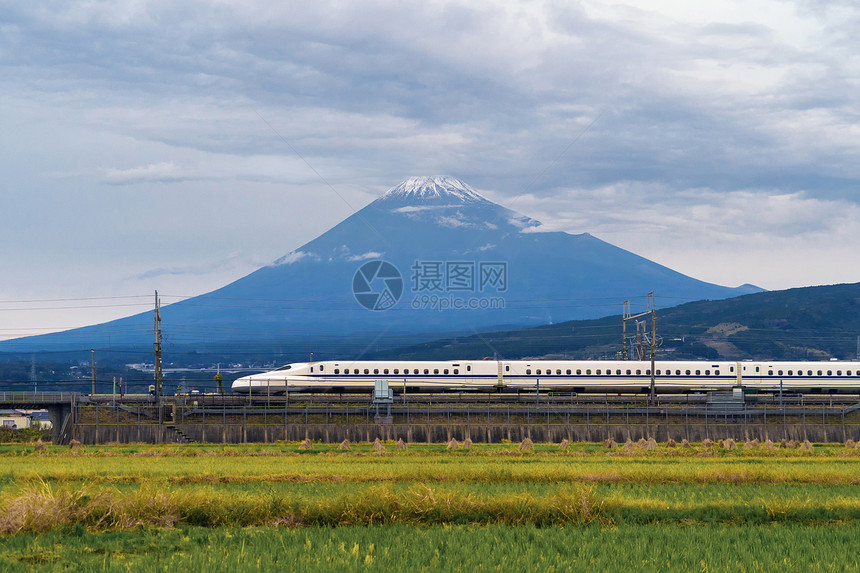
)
(426, 508)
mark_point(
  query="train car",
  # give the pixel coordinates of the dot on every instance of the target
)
(604, 376)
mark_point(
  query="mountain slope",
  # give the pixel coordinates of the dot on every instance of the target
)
(448, 244)
(812, 323)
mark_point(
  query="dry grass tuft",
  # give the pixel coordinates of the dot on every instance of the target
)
(306, 445)
(377, 445)
(707, 443)
(74, 445)
(609, 444)
(748, 445)
(729, 444)
(628, 445)
(756, 442)
(40, 446)
(467, 443)
(453, 444)
(685, 443)
(849, 443)
(400, 445)
(793, 444)
(671, 443)
(641, 442)
(806, 446)
(344, 445)
(651, 444)
(527, 444)
(768, 445)
(564, 445)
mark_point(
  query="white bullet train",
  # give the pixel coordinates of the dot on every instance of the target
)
(564, 375)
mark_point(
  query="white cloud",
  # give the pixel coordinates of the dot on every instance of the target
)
(365, 256)
(158, 172)
(295, 257)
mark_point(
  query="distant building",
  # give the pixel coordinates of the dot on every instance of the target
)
(14, 419)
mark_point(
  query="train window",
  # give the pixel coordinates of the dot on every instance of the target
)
(677, 372)
(809, 372)
(528, 370)
(445, 371)
(435, 371)
(355, 371)
(707, 372)
(647, 372)
(770, 372)
(366, 371)
(658, 373)
(830, 372)
(376, 370)
(839, 372)
(456, 371)
(790, 372)
(322, 366)
(507, 368)
(312, 368)
(568, 371)
(559, 371)
(537, 372)
(779, 372)
(731, 368)
(819, 372)
(588, 371)
(337, 370)
(698, 372)
(385, 371)
(426, 371)
(469, 367)
(579, 371)
(598, 371)
(618, 371)
(397, 370)
(628, 372)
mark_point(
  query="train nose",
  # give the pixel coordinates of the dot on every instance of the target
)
(242, 384)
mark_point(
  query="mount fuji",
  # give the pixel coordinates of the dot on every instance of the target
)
(431, 257)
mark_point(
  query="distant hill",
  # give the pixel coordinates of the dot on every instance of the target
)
(812, 323)
(393, 273)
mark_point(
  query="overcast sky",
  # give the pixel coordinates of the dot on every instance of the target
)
(720, 139)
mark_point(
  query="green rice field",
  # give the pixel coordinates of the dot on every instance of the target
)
(427, 508)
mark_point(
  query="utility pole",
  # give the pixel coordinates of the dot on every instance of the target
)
(94, 369)
(157, 348)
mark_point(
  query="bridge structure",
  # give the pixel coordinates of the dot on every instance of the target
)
(102, 418)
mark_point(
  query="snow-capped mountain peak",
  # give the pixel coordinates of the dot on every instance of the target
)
(434, 187)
